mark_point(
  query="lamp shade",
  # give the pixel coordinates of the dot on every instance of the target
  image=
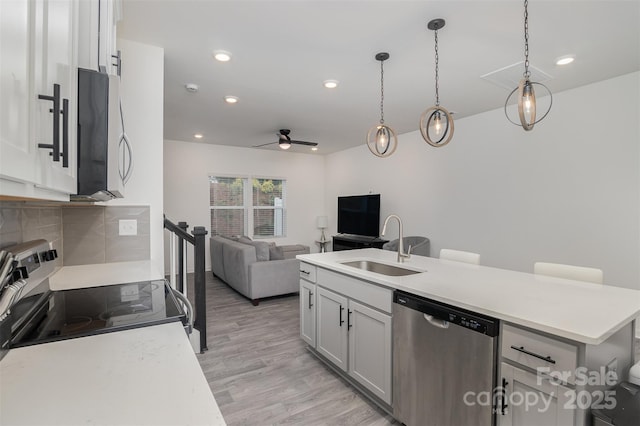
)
(322, 222)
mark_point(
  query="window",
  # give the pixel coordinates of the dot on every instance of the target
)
(237, 206)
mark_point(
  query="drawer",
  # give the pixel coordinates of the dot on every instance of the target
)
(308, 272)
(537, 351)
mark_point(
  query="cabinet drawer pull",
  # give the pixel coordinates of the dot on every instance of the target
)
(524, 351)
(55, 146)
(505, 406)
(64, 153)
(341, 320)
(302, 271)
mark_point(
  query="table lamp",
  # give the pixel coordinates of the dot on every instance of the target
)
(322, 222)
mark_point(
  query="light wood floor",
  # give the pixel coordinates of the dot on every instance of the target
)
(261, 373)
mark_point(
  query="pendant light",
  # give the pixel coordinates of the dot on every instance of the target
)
(436, 123)
(525, 89)
(381, 139)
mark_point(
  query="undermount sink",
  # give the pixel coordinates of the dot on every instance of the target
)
(381, 268)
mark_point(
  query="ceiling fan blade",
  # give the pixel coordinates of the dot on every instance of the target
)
(264, 144)
(304, 143)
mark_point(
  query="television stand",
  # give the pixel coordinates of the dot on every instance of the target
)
(352, 242)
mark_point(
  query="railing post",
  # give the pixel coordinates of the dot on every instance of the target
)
(200, 322)
(181, 258)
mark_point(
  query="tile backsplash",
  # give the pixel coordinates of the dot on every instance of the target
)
(81, 234)
(20, 222)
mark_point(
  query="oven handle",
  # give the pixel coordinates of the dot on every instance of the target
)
(187, 304)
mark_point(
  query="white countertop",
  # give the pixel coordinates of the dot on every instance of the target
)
(144, 376)
(579, 311)
(82, 276)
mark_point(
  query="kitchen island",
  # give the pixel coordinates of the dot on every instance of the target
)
(551, 332)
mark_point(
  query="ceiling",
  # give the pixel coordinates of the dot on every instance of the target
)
(284, 50)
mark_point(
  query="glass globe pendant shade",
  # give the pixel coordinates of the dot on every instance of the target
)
(436, 126)
(526, 104)
(382, 140)
(284, 144)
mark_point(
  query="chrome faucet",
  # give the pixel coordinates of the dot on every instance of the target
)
(401, 254)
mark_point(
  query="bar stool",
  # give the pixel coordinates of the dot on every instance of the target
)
(460, 256)
(559, 270)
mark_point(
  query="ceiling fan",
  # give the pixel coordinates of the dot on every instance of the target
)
(285, 142)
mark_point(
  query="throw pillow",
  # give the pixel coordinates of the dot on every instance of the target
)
(245, 240)
(262, 250)
(276, 253)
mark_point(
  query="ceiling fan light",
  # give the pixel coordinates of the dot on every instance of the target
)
(284, 144)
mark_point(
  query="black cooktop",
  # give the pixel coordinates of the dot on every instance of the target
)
(68, 314)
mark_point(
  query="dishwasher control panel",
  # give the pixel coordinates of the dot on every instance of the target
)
(454, 315)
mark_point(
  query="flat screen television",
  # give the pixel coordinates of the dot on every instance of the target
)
(359, 215)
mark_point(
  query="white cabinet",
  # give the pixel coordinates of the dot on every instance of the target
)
(370, 349)
(308, 312)
(308, 302)
(55, 76)
(530, 400)
(18, 152)
(332, 327)
(37, 98)
(97, 43)
(353, 330)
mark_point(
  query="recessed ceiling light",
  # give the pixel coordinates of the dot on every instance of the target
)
(222, 55)
(231, 99)
(566, 59)
(330, 84)
(198, 136)
(314, 148)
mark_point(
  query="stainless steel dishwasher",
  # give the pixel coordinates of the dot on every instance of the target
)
(444, 363)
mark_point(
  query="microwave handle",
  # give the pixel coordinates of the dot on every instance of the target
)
(126, 155)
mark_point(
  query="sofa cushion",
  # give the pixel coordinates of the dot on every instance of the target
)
(262, 248)
(275, 253)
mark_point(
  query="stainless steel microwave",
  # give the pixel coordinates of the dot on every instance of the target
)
(104, 153)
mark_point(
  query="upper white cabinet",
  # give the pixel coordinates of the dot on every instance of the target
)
(16, 144)
(38, 98)
(97, 48)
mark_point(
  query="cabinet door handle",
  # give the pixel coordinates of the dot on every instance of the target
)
(349, 325)
(524, 351)
(341, 320)
(310, 304)
(55, 146)
(65, 133)
(504, 409)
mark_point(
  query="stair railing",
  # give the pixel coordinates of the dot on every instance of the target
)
(180, 237)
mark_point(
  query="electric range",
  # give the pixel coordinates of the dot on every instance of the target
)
(41, 315)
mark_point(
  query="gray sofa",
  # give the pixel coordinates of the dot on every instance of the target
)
(256, 269)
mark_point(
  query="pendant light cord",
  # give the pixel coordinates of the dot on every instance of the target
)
(527, 74)
(437, 69)
(381, 92)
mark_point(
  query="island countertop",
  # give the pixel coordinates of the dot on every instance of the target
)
(579, 311)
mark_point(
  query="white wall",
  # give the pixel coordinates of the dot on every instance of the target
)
(567, 192)
(188, 165)
(142, 93)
